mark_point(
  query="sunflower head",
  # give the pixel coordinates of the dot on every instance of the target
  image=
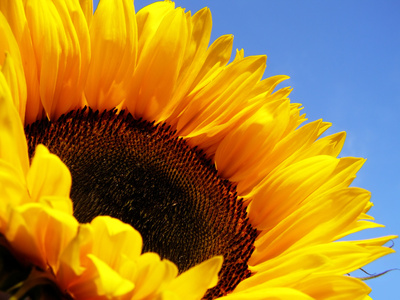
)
(138, 161)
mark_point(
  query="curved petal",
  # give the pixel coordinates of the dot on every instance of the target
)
(13, 148)
(16, 18)
(319, 220)
(294, 184)
(158, 68)
(113, 36)
(162, 272)
(115, 240)
(11, 67)
(193, 283)
(58, 54)
(40, 233)
(49, 177)
(274, 293)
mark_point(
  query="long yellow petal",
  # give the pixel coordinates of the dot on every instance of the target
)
(284, 152)
(16, 18)
(113, 36)
(335, 288)
(11, 67)
(336, 258)
(216, 58)
(87, 8)
(199, 37)
(240, 152)
(193, 283)
(329, 145)
(294, 184)
(14, 74)
(158, 68)
(13, 147)
(317, 221)
(217, 102)
(57, 53)
(12, 191)
(274, 293)
(149, 19)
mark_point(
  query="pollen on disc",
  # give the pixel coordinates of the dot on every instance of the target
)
(144, 175)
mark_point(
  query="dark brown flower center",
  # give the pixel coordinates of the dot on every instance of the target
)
(144, 175)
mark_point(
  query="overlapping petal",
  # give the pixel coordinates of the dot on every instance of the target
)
(11, 67)
(59, 56)
(159, 64)
(40, 233)
(104, 261)
(90, 269)
(13, 148)
(113, 39)
(15, 14)
(194, 283)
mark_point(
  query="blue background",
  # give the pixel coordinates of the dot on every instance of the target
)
(343, 60)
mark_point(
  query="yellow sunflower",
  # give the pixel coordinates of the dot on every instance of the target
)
(136, 162)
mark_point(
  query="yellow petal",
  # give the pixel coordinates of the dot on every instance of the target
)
(294, 184)
(329, 145)
(284, 270)
(161, 272)
(48, 177)
(289, 150)
(211, 137)
(226, 96)
(309, 268)
(115, 240)
(58, 54)
(87, 8)
(213, 62)
(199, 37)
(149, 19)
(16, 81)
(317, 221)
(240, 152)
(292, 144)
(356, 227)
(16, 18)
(194, 283)
(216, 57)
(335, 258)
(13, 148)
(113, 34)
(343, 175)
(12, 68)
(158, 68)
(335, 288)
(349, 256)
(376, 242)
(108, 282)
(40, 234)
(99, 281)
(74, 16)
(12, 191)
(73, 260)
(271, 293)
(266, 86)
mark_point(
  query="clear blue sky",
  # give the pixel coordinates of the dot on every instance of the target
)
(344, 63)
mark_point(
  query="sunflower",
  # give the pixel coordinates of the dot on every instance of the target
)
(138, 162)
